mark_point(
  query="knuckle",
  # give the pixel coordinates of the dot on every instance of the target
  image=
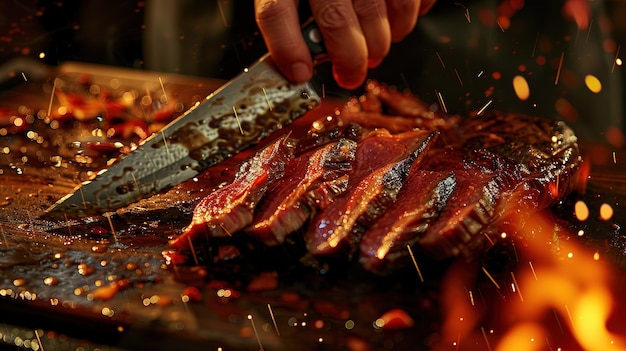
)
(369, 8)
(333, 15)
(406, 6)
(270, 9)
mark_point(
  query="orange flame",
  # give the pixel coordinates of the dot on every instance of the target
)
(566, 299)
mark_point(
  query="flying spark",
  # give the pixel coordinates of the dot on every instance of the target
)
(486, 339)
(458, 76)
(490, 277)
(108, 216)
(38, 341)
(589, 30)
(167, 149)
(219, 4)
(482, 110)
(535, 45)
(516, 287)
(269, 103)
(467, 13)
(238, 121)
(24, 76)
(82, 196)
(256, 333)
(617, 60)
(532, 269)
(273, 319)
(163, 88)
(441, 102)
(569, 315)
(132, 174)
(558, 320)
(500, 25)
(51, 99)
(489, 239)
(440, 59)
(419, 272)
(221, 225)
(558, 71)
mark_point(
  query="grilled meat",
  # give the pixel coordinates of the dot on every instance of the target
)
(440, 184)
(285, 208)
(230, 208)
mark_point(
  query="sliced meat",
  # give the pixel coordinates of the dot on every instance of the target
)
(286, 208)
(447, 189)
(482, 184)
(420, 202)
(230, 208)
(323, 194)
(382, 163)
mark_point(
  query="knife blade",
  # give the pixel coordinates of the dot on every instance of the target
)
(238, 115)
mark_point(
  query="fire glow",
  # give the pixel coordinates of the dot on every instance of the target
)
(568, 299)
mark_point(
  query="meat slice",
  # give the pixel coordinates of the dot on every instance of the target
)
(382, 163)
(286, 207)
(484, 182)
(419, 203)
(230, 208)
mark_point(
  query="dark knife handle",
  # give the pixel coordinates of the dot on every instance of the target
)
(314, 41)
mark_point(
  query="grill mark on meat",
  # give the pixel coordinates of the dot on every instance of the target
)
(419, 202)
(286, 208)
(483, 181)
(323, 194)
(230, 208)
(382, 162)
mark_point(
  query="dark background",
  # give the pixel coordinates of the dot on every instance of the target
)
(459, 50)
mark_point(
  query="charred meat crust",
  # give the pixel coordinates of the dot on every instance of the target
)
(387, 173)
(230, 208)
(285, 208)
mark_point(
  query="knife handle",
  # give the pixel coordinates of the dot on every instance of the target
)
(314, 41)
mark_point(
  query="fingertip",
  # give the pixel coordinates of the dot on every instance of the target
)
(374, 62)
(348, 81)
(299, 72)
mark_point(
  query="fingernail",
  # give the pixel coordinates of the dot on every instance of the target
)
(300, 72)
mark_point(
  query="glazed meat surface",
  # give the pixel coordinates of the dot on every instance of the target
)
(388, 175)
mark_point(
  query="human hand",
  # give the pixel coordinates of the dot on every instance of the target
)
(357, 34)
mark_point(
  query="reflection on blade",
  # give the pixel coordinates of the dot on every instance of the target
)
(235, 117)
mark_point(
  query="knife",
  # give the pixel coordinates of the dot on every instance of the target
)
(246, 109)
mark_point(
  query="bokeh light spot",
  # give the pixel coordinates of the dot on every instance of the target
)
(522, 90)
(593, 83)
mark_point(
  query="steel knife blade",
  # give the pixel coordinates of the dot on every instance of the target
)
(248, 108)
